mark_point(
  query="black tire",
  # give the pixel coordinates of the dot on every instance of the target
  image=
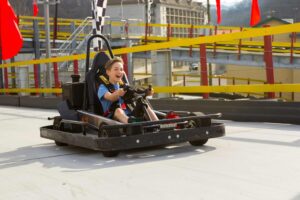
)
(198, 142)
(56, 126)
(60, 144)
(109, 154)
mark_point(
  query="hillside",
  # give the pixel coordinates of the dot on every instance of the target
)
(240, 14)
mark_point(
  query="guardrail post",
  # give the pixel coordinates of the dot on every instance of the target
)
(204, 78)
(125, 60)
(75, 67)
(126, 27)
(269, 61)
(146, 32)
(37, 51)
(168, 32)
(215, 44)
(190, 36)
(55, 71)
(280, 93)
(219, 80)
(36, 75)
(1, 79)
(13, 74)
(5, 78)
(240, 46)
(292, 47)
(128, 67)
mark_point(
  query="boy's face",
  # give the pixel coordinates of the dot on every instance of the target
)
(116, 72)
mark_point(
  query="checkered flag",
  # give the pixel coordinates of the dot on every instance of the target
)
(98, 13)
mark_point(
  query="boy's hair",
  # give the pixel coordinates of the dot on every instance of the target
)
(110, 63)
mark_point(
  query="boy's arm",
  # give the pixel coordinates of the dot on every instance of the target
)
(114, 96)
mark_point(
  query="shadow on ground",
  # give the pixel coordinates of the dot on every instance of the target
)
(74, 159)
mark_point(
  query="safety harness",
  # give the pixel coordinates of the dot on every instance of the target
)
(103, 80)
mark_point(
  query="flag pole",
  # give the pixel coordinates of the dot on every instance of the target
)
(55, 25)
(209, 64)
(47, 72)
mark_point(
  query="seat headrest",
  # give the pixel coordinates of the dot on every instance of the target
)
(99, 62)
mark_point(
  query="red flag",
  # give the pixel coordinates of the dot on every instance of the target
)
(11, 40)
(219, 16)
(255, 13)
(35, 8)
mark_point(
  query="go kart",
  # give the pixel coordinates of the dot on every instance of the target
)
(81, 121)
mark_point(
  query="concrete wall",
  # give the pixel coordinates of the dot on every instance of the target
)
(281, 75)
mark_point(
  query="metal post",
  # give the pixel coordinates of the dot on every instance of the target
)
(215, 44)
(36, 76)
(13, 74)
(5, 78)
(37, 52)
(56, 78)
(168, 31)
(191, 36)
(209, 64)
(47, 72)
(75, 64)
(269, 61)
(129, 63)
(293, 35)
(240, 46)
(55, 25)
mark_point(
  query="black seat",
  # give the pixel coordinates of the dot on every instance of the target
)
(92, 77)
(93, 81)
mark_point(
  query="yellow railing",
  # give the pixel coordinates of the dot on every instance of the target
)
(188, 89)
(179, 43)
(172, 44)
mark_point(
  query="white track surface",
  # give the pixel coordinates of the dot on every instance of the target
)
(253, 161)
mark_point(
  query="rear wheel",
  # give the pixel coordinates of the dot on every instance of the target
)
(60, 144)
(198, 142)
(56, 126)
(110, 153)
(193, 124)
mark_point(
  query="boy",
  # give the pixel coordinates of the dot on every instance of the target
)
(108, 98)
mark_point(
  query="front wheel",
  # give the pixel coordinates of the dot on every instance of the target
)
(110, 153)
(198, 142)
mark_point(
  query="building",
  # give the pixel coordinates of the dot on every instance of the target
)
(160, 12)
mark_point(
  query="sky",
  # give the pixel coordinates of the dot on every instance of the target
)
(223, 2)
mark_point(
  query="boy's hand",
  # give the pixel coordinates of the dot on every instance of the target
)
(150, 92)
(121, 92)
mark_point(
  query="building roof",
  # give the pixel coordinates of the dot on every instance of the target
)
(271, 19)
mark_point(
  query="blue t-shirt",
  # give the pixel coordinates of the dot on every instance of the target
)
(106, 103)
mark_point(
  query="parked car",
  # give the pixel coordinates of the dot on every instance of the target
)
(193, 66)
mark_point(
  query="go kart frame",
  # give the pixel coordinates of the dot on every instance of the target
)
(81, 124)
